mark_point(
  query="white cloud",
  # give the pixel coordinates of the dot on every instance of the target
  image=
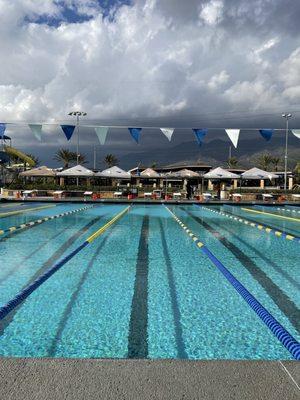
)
(211, 12)
(142, 63)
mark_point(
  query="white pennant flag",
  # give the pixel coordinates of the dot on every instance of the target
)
(36, 129)
(101, 132)
(296, 132)
(168, 132)
(233, 135)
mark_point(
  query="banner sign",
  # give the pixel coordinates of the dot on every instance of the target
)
(266, 133)
(135, 133)
(68, 130)
(200, 135)
(36, 129)
(233, 135)
(296, 132)
(2, 129)
(168, 132)
(101, 132)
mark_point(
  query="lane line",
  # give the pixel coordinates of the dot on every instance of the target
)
(26, 292)
(288, 341)
(271, 214)
(9, 213)
(261, 227)
(40, 221)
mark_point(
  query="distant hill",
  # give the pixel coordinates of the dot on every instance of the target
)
(213, 153)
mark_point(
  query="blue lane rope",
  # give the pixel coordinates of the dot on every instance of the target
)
(289, 342)
(21, 296)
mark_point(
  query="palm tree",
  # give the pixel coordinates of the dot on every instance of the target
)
(64, 156)
(232, 162)
(275, 161)
(110, 160)
(264, 161)
(34, 158)
(81, 158)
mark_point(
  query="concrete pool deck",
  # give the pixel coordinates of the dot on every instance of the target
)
(78, 379)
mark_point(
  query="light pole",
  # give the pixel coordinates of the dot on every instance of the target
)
(287, 116)
(77, 114)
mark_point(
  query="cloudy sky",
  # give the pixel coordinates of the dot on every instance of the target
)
(193, 63)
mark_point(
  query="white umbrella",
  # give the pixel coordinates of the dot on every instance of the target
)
(42, 171)
(114, 172)
(256, 173)
(149, 173)
(186, 173)
(77, 171)
(220, 173)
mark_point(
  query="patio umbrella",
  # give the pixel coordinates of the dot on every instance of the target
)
(114, 172)
(42, 171)
(149, 173)
(256, 173)
(77, 172)
(185, 173)
(220, 173)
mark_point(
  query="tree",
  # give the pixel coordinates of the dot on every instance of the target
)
(64, 156)
(34, 158)
(232, 162)
(264, 161)
(276, 161)
(81, 158)
(110, 160)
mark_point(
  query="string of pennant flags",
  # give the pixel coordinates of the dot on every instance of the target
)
(101, 132)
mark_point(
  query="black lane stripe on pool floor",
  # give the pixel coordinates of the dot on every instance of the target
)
(138, 337)
(275, 266)
(54, 258)
(283, 302)
(70, 304)
(181, 352)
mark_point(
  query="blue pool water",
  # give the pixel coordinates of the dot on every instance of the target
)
(143, 289)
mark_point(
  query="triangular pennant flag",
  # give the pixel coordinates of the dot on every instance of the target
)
(168, 132)
(135, 133)
(200, 134)
(101, 132)
(266, 133)
(68, 130)
(2, 129)
(233, 135)
(296, 132)
(36, 129)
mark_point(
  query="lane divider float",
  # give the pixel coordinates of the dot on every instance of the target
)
(288, 210)
(261, 227)
(249, 210)
(8, 213)
(21, 296)
(288, 341)
(40, 221)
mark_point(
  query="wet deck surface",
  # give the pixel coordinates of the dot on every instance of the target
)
(146, 379)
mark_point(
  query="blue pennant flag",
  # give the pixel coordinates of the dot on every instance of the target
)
(2, 129)
(200, 135)
(68, 130)
(135, 133)
(266, 133)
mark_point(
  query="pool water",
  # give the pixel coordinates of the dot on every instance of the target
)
(143, 289)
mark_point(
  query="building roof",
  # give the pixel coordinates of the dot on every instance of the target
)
(77, 171)
(220, 173)
(39, 171)
(114, 172)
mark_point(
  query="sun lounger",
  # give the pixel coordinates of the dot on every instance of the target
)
(148, 194)
(177, 195)
(117, 194)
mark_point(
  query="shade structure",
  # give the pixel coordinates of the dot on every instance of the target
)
(114, 172)
(42, 171)
(220, 173)
(256, 173)
(77, 171)
(185, 173)
(149, 173)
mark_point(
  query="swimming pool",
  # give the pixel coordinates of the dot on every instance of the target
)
(143, 289)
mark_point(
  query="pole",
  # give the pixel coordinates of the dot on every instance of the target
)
(286, 154)
(77, 123)
(94, 157)
(229, 152)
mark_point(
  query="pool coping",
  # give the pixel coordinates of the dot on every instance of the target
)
(44, 378)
